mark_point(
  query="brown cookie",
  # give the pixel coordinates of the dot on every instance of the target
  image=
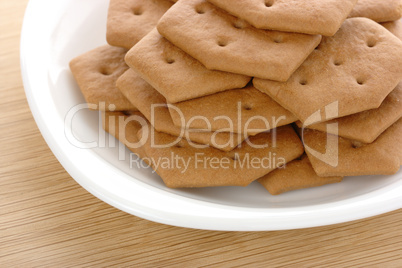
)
(144, 95)
(354, 70)
(176, 75)
(125, 128)
(245, 110)
(378, 10)
(181, 165)
(130, 20)
(336, 156)
(223, 42)
(368, 125)
(96, 72)
(295, 175)
(300, 16)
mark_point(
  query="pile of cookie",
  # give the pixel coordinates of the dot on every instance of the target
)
(291, 93)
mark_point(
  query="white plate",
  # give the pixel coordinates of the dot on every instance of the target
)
(56, 31)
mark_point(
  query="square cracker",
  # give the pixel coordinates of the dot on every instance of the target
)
(176, 75)
(301, 16)
(295, 175)
(368, 125)
(209, 167)
(245, 110)
(356, 68)
(378, 10)
(382, 157)
(129, 21)
(144, 95)
(96, 73)
(223, 42)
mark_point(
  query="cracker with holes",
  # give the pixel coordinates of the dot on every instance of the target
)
(125, 127)
(223, 42)
(96, 72)
(209, 167)
(378, 10)
(144, 96)
(336, 156)
(130, 20)
(351, 72)
(368, 125)
(245, 110)
(394, 27)
(296, 175)
(176, 75)
(301, 16)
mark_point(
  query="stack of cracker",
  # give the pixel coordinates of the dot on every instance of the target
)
(290, 93)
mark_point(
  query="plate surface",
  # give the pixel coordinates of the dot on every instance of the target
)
(56, 31)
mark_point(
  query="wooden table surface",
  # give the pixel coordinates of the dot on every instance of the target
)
(48, 220)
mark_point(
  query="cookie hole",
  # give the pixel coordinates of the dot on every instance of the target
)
(105, 71)
(137, 11)
(371, 43)
(239, 24)
(179, 144)
(360, 81)
(269, 3)
(200, 10)
(317, 47)
(356, 144)
(222, 43)
(303, 82)
(235, 158)
(337, 62)
(247, 107)
(128, 113)
(170, 61)
(278, 40)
